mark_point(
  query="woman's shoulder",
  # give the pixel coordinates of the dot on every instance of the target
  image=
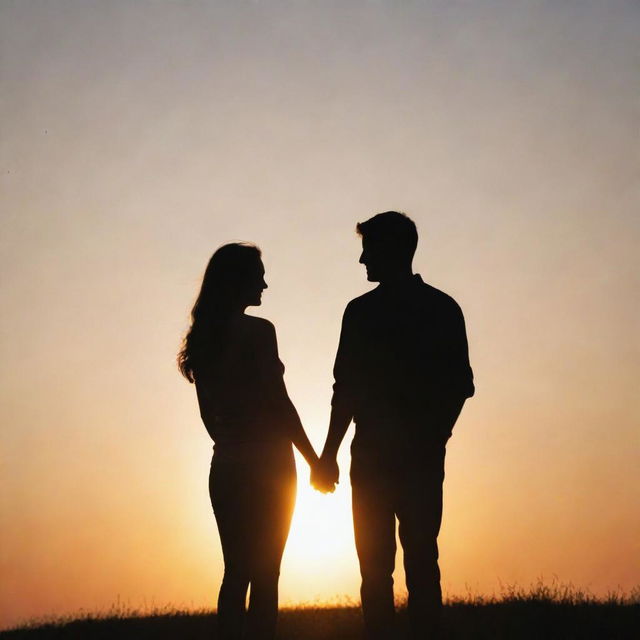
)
(260, 328)
(257, 321)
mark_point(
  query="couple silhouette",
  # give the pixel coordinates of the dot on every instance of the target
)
(401, 374)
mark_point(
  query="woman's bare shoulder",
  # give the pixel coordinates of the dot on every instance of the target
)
(258, 323)
(260, 328)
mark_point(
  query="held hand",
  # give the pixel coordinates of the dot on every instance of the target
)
(324, 475)
(319, 481)
(331, 469)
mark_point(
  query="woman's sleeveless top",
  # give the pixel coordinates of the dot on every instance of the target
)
(241, 392)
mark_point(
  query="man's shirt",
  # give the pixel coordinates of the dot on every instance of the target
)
(402, 353)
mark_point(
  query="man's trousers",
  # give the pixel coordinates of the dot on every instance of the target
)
(408, 488)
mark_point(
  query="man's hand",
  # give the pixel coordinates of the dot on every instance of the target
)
(325, 475)
(445, 414)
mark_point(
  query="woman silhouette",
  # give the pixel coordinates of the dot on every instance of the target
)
(233, 360)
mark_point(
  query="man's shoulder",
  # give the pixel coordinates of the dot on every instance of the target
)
(363, 302)
(427, 293)
(438, 297)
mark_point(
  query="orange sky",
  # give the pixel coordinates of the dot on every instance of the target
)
(137, 137)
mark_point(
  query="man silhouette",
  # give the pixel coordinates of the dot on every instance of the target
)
(402, 374)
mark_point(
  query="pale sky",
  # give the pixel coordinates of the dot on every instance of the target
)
(137, 137)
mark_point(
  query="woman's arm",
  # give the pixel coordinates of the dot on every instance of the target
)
(206, 402)
(290, 416)
(298, 434)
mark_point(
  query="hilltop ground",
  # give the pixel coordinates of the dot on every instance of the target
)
(543, 613)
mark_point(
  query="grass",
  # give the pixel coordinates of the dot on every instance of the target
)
(541, 612)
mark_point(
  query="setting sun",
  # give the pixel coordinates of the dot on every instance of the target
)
(321, 535)
(319, 562)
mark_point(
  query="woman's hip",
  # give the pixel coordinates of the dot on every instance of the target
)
(249, 478)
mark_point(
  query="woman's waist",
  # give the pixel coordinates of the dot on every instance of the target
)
(258, 452)
(245, 426)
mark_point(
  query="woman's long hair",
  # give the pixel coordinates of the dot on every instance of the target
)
(224, 283)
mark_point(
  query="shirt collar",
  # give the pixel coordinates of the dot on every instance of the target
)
(402, 285)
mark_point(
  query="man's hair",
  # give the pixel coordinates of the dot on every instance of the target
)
(391, 228)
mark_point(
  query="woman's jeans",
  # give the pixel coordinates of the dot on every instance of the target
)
(253, 492)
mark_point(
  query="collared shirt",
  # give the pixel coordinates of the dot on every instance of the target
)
(402, 351)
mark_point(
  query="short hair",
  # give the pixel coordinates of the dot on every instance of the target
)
(392, 228)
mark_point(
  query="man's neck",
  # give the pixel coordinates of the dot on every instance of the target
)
(398, 279)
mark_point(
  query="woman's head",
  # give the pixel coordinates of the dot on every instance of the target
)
(233, 280)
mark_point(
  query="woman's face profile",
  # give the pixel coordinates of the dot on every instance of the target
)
(255, 285)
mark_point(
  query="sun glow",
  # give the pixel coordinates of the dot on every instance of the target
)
(320, 547)
(321, 529)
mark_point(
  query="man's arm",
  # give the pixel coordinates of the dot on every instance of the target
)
(462, 374)
(459, 376)
(328, 472)
(446, 414)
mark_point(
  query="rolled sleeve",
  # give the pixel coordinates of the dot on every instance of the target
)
(343, 369)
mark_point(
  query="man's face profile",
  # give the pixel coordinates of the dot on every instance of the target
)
(378, 259)
(370, 259)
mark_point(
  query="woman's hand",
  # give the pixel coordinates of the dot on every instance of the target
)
(325, 475)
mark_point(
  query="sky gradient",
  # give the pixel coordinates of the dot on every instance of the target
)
(136, 137)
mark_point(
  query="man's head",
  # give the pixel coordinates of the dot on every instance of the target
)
(389, 241)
